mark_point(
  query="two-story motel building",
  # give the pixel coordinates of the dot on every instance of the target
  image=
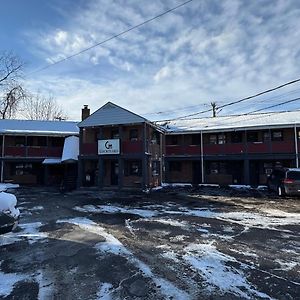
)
(118, 148)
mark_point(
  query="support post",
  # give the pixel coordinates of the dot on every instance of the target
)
(2, 162)
(296, 146)
(145, 158)
(120, 160)
(202, 158)
(80, 172)
(161, 158)
(100, 172)
(100, 162)
(246, 171)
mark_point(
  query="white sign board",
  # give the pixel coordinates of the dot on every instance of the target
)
(109, 146)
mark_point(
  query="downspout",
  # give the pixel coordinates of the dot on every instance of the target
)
(2, 163)
(202, 158)
(296, 146)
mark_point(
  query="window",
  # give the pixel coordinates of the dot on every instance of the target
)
(155, 168)
(266, 136)
(20, 141)
(221, 139)
(213, 168)
(174, 140)
(133, 135)
(213, 139)
(196, 139)
(133, 168)
(175, 166)
(218, 168)
(39, 141)
(277, 135)
(217, 138)
(23, 169)
(115, 134)
(252, 136)
(236, 137)
(155, 139)
(57, 142)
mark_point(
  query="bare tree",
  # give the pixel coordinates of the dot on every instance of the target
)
(11, 100)
(11, 91)
(38, 107)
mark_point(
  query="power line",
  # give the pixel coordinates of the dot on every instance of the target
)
(112, 37)
(275, 105)
(237, 101)
(252, 113)
(265, 100)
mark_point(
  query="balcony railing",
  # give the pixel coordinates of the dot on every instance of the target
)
(89, 149)
(132, 147)
(232, 148)
(31, 151)
(182, 150)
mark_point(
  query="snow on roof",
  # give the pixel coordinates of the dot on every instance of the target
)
(51, 161)
(34, 127)
(111, 114)
(235, 122)
(71, 149)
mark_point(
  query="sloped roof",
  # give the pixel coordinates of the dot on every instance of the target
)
(33, 127)
(111, 114)
(235, 122)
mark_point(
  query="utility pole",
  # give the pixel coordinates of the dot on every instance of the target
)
(214, 109)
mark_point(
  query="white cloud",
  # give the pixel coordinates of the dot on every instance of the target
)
(207, 50)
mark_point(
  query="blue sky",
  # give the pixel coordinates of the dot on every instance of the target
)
(205, 51)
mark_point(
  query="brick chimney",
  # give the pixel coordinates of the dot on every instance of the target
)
(85, 112)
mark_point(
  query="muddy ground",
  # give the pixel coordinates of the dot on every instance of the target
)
(208, 243)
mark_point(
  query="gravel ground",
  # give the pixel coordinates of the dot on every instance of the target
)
(204, 243)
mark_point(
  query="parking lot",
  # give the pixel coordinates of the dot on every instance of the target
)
(209, 243)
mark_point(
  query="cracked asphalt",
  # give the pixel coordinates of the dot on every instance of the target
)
(207, 243)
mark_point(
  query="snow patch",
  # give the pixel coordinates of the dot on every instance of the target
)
(45, 289)
(104, 292)
(176, 184)
(30, 231)
(5, 186)
(286, 266)
(213, 266)
(114, 246)
(36, 208)
(8, 280)
(111, 209)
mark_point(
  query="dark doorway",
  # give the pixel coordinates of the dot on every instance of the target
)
(254, 173)
(196, 172)
(114, 172)
(236, 170)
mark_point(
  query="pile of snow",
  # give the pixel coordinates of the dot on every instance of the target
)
(8, 204)
(5, 186)
(176, 185)
(247, 187)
